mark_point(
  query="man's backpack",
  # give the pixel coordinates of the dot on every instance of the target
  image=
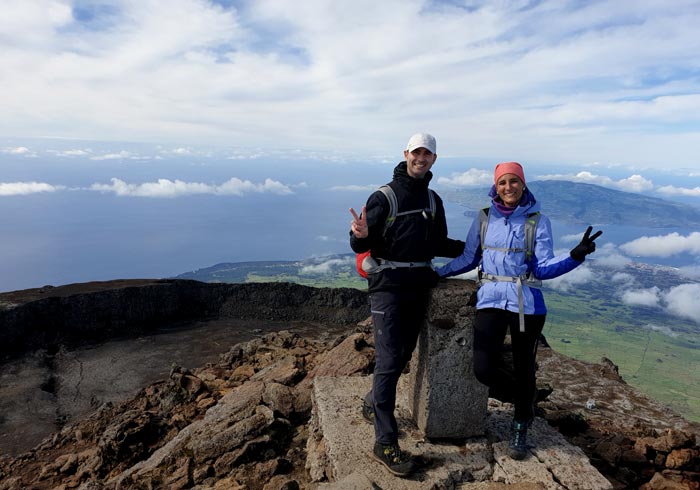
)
(364, 261)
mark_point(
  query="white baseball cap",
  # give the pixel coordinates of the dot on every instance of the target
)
(422, 140)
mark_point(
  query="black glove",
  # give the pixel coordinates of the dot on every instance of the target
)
(587, 245)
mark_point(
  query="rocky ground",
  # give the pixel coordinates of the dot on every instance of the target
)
(241, 423)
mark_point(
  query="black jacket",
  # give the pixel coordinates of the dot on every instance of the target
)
(416, 237)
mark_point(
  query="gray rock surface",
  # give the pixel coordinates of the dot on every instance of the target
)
(338, 431)
(446, 400)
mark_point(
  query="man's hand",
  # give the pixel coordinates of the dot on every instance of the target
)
(587, 245)
(358, 225)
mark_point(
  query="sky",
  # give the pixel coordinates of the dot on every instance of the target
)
(582, 82)
(127, 104)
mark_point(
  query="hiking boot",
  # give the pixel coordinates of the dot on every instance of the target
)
(541, 394)
(398, 462)
(367, 412)
(518, 441)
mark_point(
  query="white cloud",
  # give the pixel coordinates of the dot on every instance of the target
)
(690, 272)
(327, 266)
(355, 188)
(238, 187)
(472, 177)
(661, 329)
(24, 188)
(624, 278)
(176, 188)
(580, 275)
(684, 301)
(75, 153)
(17, 150)
(122, 155)
(607, 255)
(679, 191)
(543, 80)
(642, 297)
(663, 246)
(633, 183)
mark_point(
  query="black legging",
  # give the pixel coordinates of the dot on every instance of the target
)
(490, 328)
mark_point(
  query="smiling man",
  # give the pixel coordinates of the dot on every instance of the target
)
(402, 245)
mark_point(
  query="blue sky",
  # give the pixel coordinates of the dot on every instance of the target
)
(604, 82)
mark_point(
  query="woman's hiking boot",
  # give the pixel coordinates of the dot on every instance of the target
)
(518, 440)
(397, 461)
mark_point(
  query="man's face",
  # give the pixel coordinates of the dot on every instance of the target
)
(419, 161)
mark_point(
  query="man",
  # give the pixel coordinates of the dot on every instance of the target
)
(400, 284)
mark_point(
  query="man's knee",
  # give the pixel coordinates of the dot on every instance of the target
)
(483, 372)
(390, 366)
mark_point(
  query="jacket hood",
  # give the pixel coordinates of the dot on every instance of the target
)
(401, 176)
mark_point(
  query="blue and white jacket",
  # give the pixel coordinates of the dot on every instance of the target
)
(508, 232)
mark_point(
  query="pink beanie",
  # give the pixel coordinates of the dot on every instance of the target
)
(508, 168)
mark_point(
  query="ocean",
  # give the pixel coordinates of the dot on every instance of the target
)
(76, 234)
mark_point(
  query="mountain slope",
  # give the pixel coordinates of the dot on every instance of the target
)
(577, 203)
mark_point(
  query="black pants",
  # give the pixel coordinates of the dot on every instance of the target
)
(518, 385)
(398, 317)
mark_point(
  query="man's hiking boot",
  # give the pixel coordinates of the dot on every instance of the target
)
(518, 441)
(397, 461)
(367, 412)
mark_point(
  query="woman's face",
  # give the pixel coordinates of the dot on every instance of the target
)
(510, 189)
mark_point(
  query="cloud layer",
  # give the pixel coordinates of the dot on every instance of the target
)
(554, 80)
(25, 188)
(176, 188)
(663, 246)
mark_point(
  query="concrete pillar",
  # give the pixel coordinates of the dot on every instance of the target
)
(446, 400)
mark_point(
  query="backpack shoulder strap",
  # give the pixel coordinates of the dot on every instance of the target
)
(530, 232)
(483, 224)
(431, 203)
(393, 204)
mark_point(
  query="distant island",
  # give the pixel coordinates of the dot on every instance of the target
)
(578, 203)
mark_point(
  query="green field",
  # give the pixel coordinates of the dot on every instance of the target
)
(665, 367)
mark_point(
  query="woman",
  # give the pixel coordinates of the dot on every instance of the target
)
(511, 268)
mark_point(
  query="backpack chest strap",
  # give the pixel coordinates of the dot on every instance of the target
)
(393, 264)
(505, 250)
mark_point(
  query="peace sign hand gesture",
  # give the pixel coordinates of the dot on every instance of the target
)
(587, 245)
(358, 225)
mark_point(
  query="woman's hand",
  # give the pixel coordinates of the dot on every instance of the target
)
(587, 245)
